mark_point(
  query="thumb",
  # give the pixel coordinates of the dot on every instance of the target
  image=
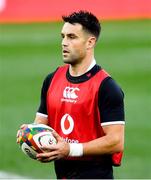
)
(56, 135)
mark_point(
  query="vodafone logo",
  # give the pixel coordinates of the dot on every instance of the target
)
(67, 124)
(70, 94)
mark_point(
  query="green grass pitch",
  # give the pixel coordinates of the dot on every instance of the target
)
(29, 52)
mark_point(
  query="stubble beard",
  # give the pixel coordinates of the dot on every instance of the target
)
(71, 61)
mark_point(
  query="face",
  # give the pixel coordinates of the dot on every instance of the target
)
(74, 43)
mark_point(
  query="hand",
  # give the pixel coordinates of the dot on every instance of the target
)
(54, 152)
(19, 131)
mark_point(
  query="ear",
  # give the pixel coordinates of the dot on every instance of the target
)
(91, 42)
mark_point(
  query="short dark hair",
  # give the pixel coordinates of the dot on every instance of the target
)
(89, 22)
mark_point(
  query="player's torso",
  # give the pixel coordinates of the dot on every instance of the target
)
(73, 107)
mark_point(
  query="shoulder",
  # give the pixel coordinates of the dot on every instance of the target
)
(48, 79)
(110, 88)
(50, 75)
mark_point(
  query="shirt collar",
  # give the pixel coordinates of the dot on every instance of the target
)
(93, 63)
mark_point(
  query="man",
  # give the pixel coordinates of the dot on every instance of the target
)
(83, 105)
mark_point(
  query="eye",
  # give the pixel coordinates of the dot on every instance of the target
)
(72, 36)
(62, 36)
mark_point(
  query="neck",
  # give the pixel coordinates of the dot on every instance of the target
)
(82, 67)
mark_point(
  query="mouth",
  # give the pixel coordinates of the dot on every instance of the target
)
(65, 51)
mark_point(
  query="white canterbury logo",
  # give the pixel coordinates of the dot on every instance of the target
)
(70, 94)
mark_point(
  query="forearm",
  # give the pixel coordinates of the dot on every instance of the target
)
(41, 120)
(102, 146)
(111, 143)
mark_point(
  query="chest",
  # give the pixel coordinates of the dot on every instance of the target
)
(63, 94)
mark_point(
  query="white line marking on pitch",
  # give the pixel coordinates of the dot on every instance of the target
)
(6, 175)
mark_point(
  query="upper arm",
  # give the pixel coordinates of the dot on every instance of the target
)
(111, 103)
(111, 106)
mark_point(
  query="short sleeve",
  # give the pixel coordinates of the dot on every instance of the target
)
(42, 110)
(111, 103)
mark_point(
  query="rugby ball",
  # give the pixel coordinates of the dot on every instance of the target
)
(32, 137)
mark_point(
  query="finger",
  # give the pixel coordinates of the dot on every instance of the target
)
(17, 136)
(17, 141)
(47, 154)
(49, 148)
(45, 160)
(22, 126)
(18, 132)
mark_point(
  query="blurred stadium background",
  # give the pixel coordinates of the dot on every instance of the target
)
(30, 49)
